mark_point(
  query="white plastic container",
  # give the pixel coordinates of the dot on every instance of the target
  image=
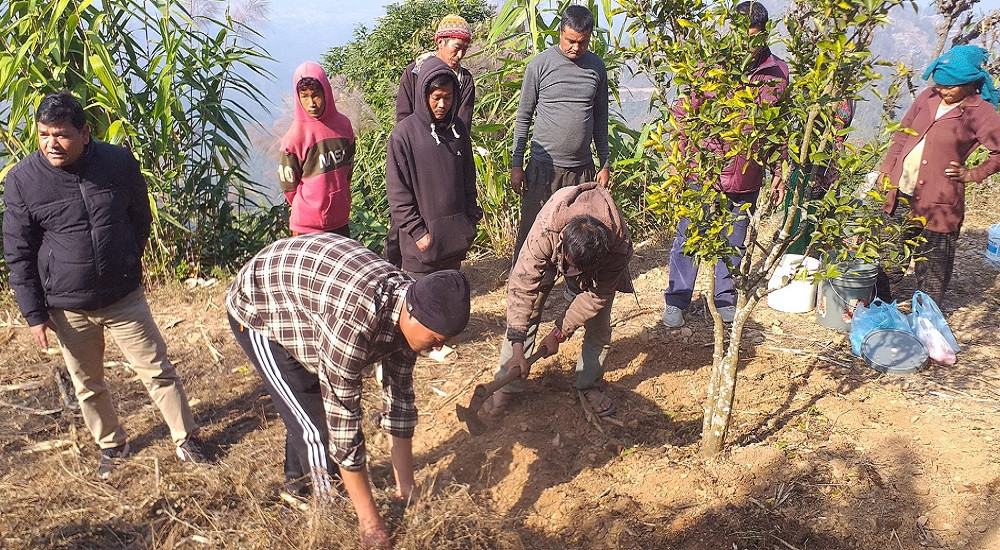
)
(993, 246)
(789, 295)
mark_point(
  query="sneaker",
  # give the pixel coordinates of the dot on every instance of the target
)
(673, 317)
(109, 459)
(728, 313)
(191, 451)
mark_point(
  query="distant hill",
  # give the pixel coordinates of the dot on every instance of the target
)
(910, 38)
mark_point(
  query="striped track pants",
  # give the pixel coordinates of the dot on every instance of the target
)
(295, 393)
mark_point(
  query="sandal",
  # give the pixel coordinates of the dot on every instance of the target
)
(497, 403)
(599, 402)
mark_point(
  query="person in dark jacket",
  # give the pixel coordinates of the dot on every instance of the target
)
(76, 222)
(451, 42)
(741, 182)
(925, 164)
(431, 178)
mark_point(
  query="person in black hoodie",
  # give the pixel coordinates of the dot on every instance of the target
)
(76, 222)
(431, 178)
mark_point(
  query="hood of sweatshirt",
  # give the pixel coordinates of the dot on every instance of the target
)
(306, 131)
(593, 199)
(430, 69)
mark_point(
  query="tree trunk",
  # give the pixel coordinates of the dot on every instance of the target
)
(719, 339)
(722, 390)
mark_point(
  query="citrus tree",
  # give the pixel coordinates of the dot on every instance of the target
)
(697, 55)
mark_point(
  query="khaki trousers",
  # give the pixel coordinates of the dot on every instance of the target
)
(596, 343)
(131, 324)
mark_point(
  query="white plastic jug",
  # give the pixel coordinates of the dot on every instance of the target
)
(993, 246)
(792, 296)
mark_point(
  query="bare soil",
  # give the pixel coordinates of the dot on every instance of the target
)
(824, 452)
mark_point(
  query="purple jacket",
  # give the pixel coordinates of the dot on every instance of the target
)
(744, 175)
(953, 137)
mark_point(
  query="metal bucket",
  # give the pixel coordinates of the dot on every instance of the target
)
(838, 297)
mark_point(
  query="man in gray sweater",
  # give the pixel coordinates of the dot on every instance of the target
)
(565, 91)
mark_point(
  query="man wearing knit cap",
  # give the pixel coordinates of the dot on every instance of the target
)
(452, 40)
(311, 313)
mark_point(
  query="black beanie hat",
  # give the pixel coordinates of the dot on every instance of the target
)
(440, 302)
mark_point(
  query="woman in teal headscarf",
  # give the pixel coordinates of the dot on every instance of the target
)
(926, 167)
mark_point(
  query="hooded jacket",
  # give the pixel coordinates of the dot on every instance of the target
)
(73, 239)
(431, 182)
(408, 82)
(536, 267)
(317, 158)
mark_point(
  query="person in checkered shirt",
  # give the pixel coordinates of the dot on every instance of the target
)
(311, 313)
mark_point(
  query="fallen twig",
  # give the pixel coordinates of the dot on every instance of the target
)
(614, 421)
(782, 541)
(958, 391)
(30, 410)
(50, 445)
(796, 351)
(631, 315)
(212, 350)
(949, 396)
(22, 386)
(11, 321)
(588, 412)
(785, 335)
(896, 535)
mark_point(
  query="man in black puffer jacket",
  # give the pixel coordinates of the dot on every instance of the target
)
(77, 220)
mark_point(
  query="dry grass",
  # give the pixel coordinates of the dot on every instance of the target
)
(826, 455)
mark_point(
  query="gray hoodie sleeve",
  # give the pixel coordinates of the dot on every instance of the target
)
(525, 112)
(601, 102)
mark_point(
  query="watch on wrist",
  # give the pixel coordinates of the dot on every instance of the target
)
(560, 335)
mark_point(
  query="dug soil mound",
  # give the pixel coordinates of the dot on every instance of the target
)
(824, 452)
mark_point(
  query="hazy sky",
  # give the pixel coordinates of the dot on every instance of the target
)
(302, 30)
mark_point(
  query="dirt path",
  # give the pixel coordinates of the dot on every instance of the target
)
(824, 454)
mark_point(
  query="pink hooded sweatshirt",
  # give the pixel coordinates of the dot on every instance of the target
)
(317, 158)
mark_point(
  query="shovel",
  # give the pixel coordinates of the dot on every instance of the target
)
(470, 414)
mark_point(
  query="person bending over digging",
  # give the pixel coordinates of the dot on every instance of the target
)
(311, 313)
(579, 233)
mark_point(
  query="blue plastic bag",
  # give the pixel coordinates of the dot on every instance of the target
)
(924, 307)
(877, 316)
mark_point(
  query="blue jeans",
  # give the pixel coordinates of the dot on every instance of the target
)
(683, 270)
